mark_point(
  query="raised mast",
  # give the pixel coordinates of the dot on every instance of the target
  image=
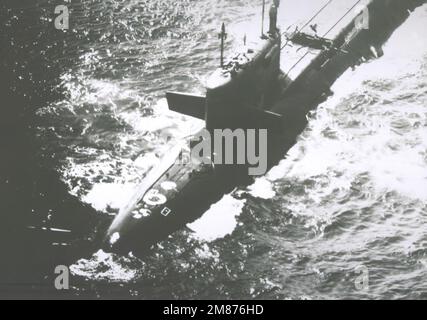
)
(222, 36)
(263, 18)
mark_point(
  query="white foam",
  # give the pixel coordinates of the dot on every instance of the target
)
(219, 221)
(113, 195)
(262, 188)
(104, 266)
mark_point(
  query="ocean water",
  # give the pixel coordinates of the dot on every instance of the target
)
(351, 195)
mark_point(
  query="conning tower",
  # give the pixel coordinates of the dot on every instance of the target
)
(247, 81)
(243, 87)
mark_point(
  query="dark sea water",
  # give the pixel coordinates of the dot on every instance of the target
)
(88, 119)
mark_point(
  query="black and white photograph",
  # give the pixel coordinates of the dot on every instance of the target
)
(213, 150)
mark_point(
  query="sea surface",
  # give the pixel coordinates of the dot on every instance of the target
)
(349, 200)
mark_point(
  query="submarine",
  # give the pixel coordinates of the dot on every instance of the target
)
(268, 84)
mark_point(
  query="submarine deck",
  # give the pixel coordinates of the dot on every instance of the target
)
(295, 58)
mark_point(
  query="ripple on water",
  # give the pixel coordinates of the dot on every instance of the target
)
(350, 193)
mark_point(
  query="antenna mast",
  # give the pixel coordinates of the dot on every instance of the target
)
(263, 18)
(222, 36)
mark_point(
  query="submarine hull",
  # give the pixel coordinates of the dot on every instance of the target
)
(185, 191)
